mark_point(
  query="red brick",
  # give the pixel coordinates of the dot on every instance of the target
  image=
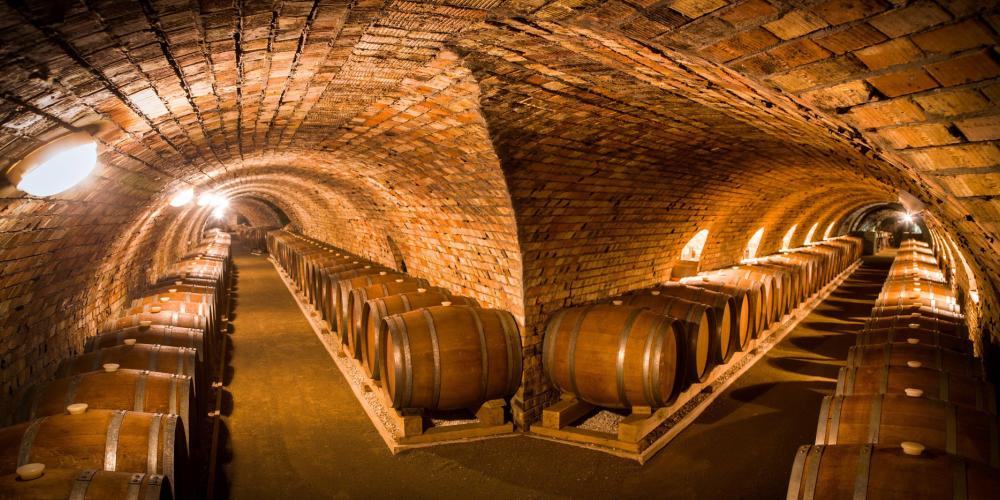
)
(884, 113)
(891, 53)
(918, 136)
(965, 69)
(976, 155)
(795, 24)
(983, 128)
(739, 45)
(844, 11)
(819, 73)
(747, 12)
(903, 82)
(955, 37)
(901, 22)
(972, 184)
(695, 8)
(852, 38)
(799, 52)
(839, 96)
(952, 102)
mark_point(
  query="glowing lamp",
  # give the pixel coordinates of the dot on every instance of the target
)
(56, 166)
(907, 218)
(182, 198)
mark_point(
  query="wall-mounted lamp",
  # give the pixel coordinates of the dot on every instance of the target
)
(56, 166)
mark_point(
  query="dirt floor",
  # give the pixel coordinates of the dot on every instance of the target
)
(296, 430)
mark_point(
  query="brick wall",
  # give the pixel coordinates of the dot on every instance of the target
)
(532, 154)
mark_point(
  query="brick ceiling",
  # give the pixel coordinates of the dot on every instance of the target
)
(498, 130)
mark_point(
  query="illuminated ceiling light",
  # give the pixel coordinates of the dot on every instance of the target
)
(219, 212)
(182, 198)
(56, 166)
(907, 218)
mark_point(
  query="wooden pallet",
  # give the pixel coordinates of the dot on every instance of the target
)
(412, 428)
(557, 421)
(634, 437)
(414, 425)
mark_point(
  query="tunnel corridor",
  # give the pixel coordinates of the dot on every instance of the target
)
(319, 443)
(531, 248)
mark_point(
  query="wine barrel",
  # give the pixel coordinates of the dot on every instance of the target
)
(734, 327)
(60, 484)
(155, 358)
(111, 440)
(172, 336)
(315, 266)
(931, 311)
(931, 323)
(901, 354)
(375, 310)
(182, 297)
(344, 288)
(782, 294)
(889, 419)
(326, 283)
(331, 283)
(864, 471)
(221, 300)
(746, 296)
(796, 279)
(916, 336)
(358, 297)
(615, 356)
(136, 390)
(451, 357)
(197, 308)
(701, 330)
(165, 318)
(933, 384)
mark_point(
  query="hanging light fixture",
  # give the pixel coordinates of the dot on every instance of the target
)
(56, 166)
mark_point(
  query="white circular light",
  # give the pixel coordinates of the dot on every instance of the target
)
(57, 166)
(182, 198)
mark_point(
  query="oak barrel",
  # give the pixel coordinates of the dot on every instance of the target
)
(451, 357)
(125, 389)
(110, 440)
(155, 358)
(701, 330)
(75, 484)
(904, 353)
(864, 471)
(358, 296)
(375, 310)
(171, 336)
(166, 318)
(343, 293)
(890, 419)
(932, 384)
(733, 320)
(615, 356)
(915, 336)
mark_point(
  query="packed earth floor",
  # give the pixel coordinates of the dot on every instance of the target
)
(296, 430)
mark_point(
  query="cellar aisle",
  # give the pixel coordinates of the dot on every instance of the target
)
(296, 430)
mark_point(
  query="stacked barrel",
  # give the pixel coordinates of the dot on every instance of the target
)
(426, 348)
(254, 237)
(644, 348)
(912, 415)
(121, 420)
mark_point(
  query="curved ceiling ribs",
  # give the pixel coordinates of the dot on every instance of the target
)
(530, 154)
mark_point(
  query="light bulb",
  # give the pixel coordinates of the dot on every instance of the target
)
(182, 198)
